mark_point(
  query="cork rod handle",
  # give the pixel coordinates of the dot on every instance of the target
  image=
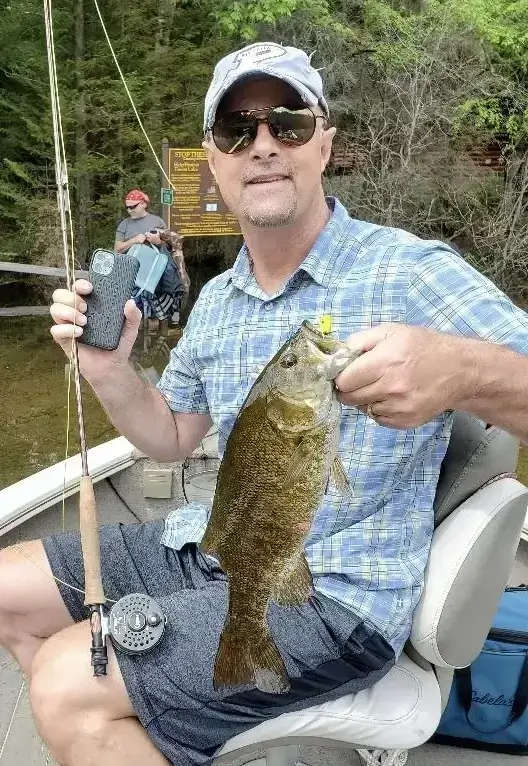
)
(90, 541)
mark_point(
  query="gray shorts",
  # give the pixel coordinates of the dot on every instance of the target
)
(328, 652)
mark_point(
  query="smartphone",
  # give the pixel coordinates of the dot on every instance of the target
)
(113, 277)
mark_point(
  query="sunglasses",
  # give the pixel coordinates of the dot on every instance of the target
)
(235, 131)
(132, 207)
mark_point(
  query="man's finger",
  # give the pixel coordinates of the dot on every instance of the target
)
(65, 332)
(366, 340)
(82, 286)
(363, 396)
(383, 415)
(65, 314)
(132, 313)
(132, 322)
(363, 371)
(67, 298)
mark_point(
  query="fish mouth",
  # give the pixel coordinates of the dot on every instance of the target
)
(312, 330)
(335, 355)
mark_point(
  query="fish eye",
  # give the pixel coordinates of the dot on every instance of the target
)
(289, 360)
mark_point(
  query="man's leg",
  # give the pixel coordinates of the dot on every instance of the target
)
(86, 720)
(31, 608)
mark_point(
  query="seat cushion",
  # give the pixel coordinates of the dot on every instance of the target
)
(401, 711)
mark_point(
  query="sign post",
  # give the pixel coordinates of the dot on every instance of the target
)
(194, 207)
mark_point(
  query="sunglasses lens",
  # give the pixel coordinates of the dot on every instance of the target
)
(293, 127)
(234, 132)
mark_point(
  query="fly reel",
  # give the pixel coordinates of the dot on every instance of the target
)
(136, 623)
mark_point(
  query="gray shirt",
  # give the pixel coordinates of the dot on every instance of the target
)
(129, 227)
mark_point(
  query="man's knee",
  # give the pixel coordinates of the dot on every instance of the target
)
(70, 705)
(12, 580)
(30, 603)
(65, 724)
(63, 707)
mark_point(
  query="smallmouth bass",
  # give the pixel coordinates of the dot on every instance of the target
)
(278, 460)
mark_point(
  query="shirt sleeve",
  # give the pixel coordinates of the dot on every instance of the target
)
(121, 232)
(180, 383)
(448, 295)
(160, 224)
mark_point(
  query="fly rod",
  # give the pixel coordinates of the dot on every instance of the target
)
(88, 517)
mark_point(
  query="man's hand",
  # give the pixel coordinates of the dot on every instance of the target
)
(68, 311)
(407, 375)
(154, 239)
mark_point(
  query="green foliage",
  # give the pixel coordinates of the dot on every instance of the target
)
(243, 20)
(492, 118)
(407, 84)
(503, 26)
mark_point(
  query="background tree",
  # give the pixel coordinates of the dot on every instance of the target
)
(417, 90)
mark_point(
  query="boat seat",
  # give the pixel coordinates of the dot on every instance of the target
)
(479, 513)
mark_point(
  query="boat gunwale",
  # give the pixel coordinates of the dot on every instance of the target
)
(28, 497)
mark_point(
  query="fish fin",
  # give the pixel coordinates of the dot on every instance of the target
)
(296, 587)
(208, 546)
(339, 477)
(238, 662)
(298, 465)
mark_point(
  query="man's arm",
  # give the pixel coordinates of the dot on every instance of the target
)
(121, 246)
(180, 262)
(141, 414)
(464, 347)
(496, 389)
(408, 375)
(138, 410)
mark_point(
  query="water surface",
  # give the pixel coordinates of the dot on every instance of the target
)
(33, 398)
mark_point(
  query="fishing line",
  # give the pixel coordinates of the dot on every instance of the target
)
(64, 205)
(12, 719)
(89, 526)
(51, 576)
(135, 623)
(140, 123)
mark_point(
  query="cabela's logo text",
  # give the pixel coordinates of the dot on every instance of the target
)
(488, 699)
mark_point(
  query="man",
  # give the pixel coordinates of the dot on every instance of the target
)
(417, 310)
(145, 228)
(136, 229)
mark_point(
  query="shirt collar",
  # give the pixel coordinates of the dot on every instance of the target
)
(319, 261)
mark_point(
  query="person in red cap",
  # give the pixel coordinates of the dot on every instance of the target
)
(136, 229)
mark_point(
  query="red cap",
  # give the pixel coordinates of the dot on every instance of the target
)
(136, 195)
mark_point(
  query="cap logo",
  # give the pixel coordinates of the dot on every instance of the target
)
(258, 53)
(252, 55)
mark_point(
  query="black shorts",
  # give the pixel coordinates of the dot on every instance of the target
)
(327, 651)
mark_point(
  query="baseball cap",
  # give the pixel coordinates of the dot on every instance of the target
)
(291, 65)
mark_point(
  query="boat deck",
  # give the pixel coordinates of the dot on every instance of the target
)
(20, 744)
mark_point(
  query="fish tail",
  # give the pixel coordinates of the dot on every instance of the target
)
(241, 661)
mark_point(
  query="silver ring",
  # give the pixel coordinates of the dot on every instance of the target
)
(369, 412)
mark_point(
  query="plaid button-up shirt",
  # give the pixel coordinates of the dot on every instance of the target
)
(368, 552)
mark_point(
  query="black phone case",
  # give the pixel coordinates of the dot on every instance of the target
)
(105, 317)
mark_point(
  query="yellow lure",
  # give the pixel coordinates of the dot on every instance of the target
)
(325, 324)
